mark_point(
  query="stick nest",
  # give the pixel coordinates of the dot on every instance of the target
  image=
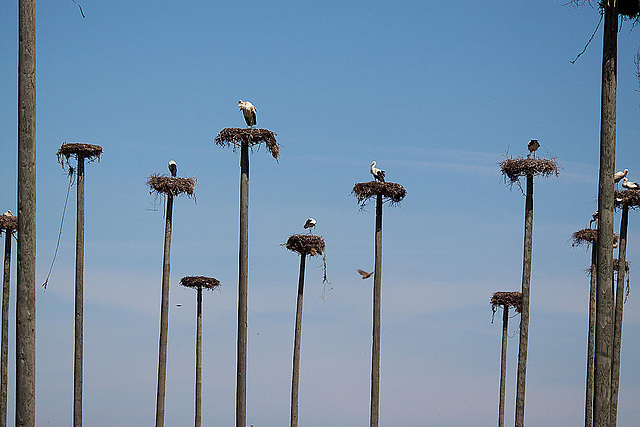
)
(507, 299)
(616, 264)
(630, 198)
(197, 281)
(588, 236)
(628, 8)
(251, 137)
(363, 191)
(305, 244)
(8, 223)
(89, 152)
(514, 168)
(163, 184)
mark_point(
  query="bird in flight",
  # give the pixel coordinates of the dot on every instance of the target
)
(310, 224)
(378, 174)
(364, 274)
(173, 167)
(533, 146)
(248, 111)
(617, 177)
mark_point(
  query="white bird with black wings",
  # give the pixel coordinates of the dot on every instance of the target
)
(248, 111)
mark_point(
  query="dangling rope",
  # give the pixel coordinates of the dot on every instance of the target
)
(325, 281)
(71, 173)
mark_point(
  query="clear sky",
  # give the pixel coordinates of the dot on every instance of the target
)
(435, 94)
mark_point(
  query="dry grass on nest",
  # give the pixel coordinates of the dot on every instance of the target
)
(629, 197)
(616, 264)
(163, 184)
(389, 190)
(588, 236)
(8, 223)
(305, 244)
(89, 152)
(251, 137)
(510, 299)
(196, 281)
(514, 168)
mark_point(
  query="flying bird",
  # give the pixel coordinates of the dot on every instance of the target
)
(173, 167)
(248, 111)
(7, 213)
(617, 177)
(595, 218)
(378, 174)
(533, 146)
(630, 185)
(364, 274)
(310, 224)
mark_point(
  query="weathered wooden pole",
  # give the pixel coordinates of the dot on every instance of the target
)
(8, 224)
(604, 283)
(79, 282)
(617, 326)
(25, 413)
(503, 364)
(377, 296)
(591, 339)
(296, 346)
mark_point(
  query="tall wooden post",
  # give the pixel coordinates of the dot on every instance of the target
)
(617, 326)
(79, 279)
(164, 315)
(503, 364)
(377, 295)
(296, 346)
(604, 297)
(524, 317)
(243, 262)
(25, 413)
(198, 420)
(6, 281)
(591, 340)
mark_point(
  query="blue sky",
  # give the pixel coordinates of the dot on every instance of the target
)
(436, 95)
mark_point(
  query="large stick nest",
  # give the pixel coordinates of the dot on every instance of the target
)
(588, 236)
(89, 152)
(627, 8)
(173, 185)
(8, 223)
(251, 137)
(305, 244)
(507, 299)
(514, 168)
(199, 281)
(630, 198)
(363, 191)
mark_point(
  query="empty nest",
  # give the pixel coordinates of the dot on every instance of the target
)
(8, 223)
(305, 244)
(389, 190)
(630, 198)
(507, 299)
(173, 185)
(89, 152)
(513, 169)
(588, 236)
(251, 137)
(199, 281)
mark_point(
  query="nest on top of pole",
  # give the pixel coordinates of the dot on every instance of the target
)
(200, 281)
(251, 137)
(89, 152)
(631, 198)
(507, 299)
(305, 244)
(627, 8)
(363, 191)
(588, 236)
(514, 168)
(162, 184)
(8, 223)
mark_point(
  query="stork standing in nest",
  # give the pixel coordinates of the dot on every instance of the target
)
(378, 174)
(249, 112)
(617, 177)
(310, 224)
(7, 213)
(533, 146)
(630, 185)
(173, 167)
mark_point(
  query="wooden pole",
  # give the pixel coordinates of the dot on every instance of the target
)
(79, 282)
(25, 413)
(524, 314)
(591, 340)
(6, 281)
(503, 364)
(617, 326)
(604, 292)
(296, 346)
(375, 348)
(164, 315)
(199, 360)
(243, 262)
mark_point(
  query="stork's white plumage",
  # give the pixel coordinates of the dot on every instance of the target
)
(594, 218)
(7, 213)
(617, 177)
(630, 185)
(378, 174)
(310, 224)
(248, 111)
(533, 146)
(173, 167)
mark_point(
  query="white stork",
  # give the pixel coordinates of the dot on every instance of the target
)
(173, 167)
(310, 224)
(617, 177)
(248, 111)
(7, 213)
(630, 185)
(594, 218)
(533, 146)
(378, 174)
(364, 274)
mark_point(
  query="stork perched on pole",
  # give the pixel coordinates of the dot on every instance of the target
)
(617, 177)
(310, 224)
(173, 167)
(248, 111)
(378, 174)
(594, 218)
(533, 146)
